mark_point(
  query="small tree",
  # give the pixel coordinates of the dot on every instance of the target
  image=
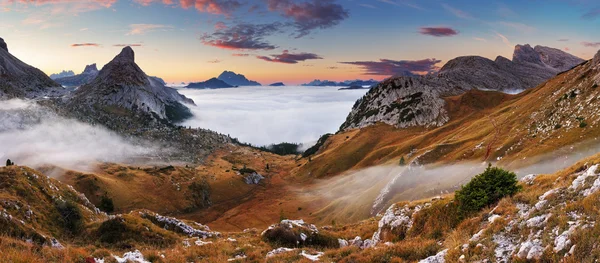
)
(9, 163)
(402, 161)
(106, 204)
(486, 188)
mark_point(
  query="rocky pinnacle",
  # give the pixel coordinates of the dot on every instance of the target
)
(3, 45)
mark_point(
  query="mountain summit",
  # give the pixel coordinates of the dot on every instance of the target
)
(234, 79)
(121, 84)
(19, 80)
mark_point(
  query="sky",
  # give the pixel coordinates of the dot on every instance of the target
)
(293, 41)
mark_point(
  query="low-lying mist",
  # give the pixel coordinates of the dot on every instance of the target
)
(357, 195)
(271, 115)
(33, 135)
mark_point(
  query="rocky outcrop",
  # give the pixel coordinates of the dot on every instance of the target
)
(3, 45)
(89, 73)
(122, 85)
(418, 101)
(19, 80)
(402, 102)
(234, 79)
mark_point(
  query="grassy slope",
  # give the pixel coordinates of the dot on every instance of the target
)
(434, 228)
(515, 127)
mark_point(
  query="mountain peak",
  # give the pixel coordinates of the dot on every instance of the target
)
(525, 53)
(3, 45)
(90, 69)
(235, 79)
(126, 55)
(596, 59)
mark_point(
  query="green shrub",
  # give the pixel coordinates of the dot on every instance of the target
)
(71, 217)
(200, 192)
(106, 204)
(486, 188)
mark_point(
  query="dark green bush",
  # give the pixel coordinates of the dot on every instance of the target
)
(485, 189)
(106, 204)
(200, 192)
(71, 217)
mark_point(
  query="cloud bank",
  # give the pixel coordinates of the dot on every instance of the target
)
(32, 135)
(267, 115)
(388, 67)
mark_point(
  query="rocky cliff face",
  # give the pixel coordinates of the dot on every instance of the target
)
(121, 84)
(89, 73)
(19, 80)
(418, 101)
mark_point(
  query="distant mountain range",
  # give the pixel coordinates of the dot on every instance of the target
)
(62, 74)
(19, 80)
(347, 83)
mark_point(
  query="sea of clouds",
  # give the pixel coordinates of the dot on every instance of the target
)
(270, 115)
(33, 135)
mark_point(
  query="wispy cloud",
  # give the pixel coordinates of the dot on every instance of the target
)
(214, 61)
(592, 14)
(438, 31)
(240, 55)
(457, 12)
(289, 58)
(368, 6)
(518, 26)
(141, 29)
(480, 39)
(563, 40)
(590, 44)
(402, 3)
(85, 45)
(127, 45)
(388, 67)
(504, 39)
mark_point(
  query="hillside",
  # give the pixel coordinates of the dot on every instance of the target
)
(418, 101)
(19, 80)
(552, 218)
(478, 125)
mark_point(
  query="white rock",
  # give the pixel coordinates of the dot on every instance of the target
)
(312, 257)
(440, 257)
(135, 256)
(278, 251)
